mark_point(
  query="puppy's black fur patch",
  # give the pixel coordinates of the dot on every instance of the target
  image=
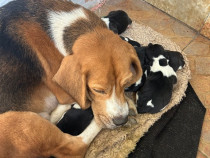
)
(163, 62)
(176, 59)
(158, 90)
(75, 121)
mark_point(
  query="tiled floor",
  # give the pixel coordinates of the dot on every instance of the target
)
(191, 42)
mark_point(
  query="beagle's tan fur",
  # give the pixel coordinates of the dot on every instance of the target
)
(28, 135)
(54, 52)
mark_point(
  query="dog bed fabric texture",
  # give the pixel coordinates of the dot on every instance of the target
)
(118, 143)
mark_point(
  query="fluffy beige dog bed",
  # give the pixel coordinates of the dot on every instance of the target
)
(120, 142)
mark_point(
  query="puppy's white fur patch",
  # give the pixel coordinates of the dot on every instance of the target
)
(180, 67)
(59, 112)
(126, 39)
(90, 132)
(149, 103)
(106, 20)
(59, 21)
(76, 106)
(145, 73)
(114, 107)
(166, 70)
(138, 82)
(137, 98)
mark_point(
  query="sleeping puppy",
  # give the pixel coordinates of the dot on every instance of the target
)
(28, 135)
(117, 21)
(156, 92)
(176, 60)
(154, 88)
(146, 54)
(75, 120)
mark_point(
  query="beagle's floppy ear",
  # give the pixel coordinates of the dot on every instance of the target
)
(71, 78)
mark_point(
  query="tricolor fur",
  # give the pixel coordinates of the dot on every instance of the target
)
(55, 52)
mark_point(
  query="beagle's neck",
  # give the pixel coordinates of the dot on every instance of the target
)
(66, 27)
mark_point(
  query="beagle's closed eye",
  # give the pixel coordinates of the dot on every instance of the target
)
(99, 91)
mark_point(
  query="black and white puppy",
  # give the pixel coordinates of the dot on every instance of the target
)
(156, 92)
(176, 60)
(146, 54)
(117, 21)
(154, 89)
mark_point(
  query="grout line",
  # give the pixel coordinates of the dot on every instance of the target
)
(197, 31)
(196, 35)
(191, 28)
(202, 153)
(204, 22)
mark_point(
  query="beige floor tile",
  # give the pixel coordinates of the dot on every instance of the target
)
(204, 148)
(201, 155)
(200, 46)
(206, 28)
(200, 83)
(207, 115)
(202, 65)
(205, 135)
(192, 63)
(207, 100)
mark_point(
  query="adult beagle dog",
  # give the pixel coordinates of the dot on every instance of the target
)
(54, 53)
(28, 135)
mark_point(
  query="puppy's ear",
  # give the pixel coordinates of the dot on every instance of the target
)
(71, 78)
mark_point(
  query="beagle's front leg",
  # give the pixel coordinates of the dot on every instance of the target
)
(90, 132)
(57, 114)
(78, 145)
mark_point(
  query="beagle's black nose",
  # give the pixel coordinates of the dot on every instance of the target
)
(120, 120)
